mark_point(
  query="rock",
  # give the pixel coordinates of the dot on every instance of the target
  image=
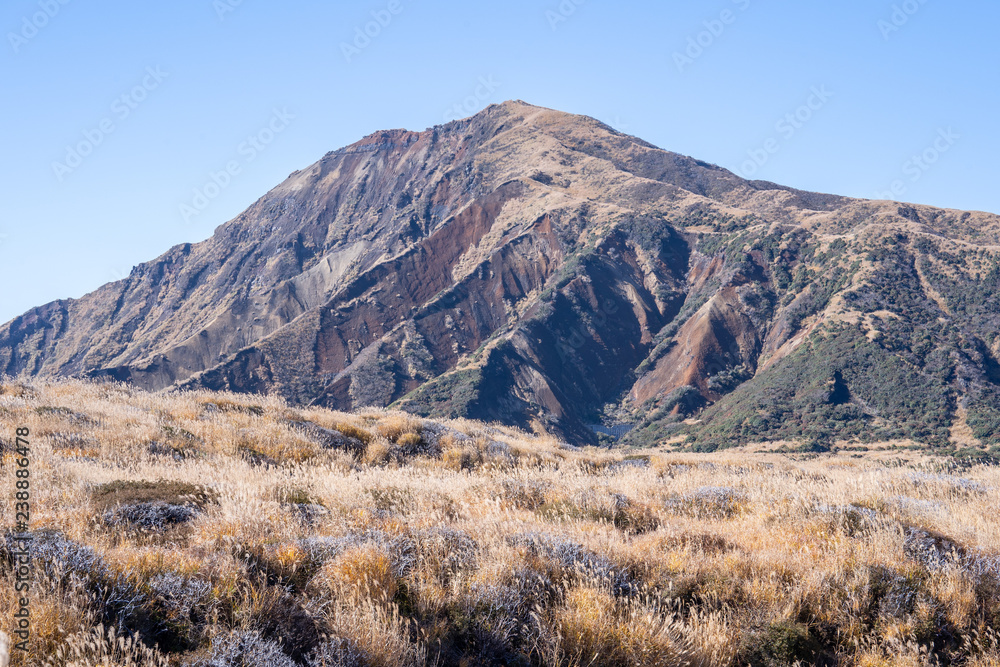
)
(152, 517)
(327, 438)
(932, 550)
(434, 432)
(308, 513)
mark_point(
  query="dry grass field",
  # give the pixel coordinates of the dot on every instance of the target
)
(222, 530)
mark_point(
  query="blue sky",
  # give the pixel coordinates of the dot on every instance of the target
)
(118, 114)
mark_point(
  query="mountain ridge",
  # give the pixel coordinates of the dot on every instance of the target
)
(545, 270)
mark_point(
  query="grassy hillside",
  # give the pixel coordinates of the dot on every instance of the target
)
(223, 530)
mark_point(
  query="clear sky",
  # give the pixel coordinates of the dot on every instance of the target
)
(117, 114)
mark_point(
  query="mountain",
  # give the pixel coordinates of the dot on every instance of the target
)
(542, 269)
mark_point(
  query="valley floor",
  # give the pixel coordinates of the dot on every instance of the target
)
(235, 530)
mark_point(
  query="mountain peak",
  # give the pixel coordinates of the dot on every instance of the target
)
(539, 268)
(520, 105)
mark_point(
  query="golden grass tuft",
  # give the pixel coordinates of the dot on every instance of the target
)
(460, 454)
(394, 425)
(362, 572)
(353, 431)
(378, 452)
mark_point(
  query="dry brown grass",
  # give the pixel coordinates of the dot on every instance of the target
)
(100, 647)
(363, 572)
(464, 543)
